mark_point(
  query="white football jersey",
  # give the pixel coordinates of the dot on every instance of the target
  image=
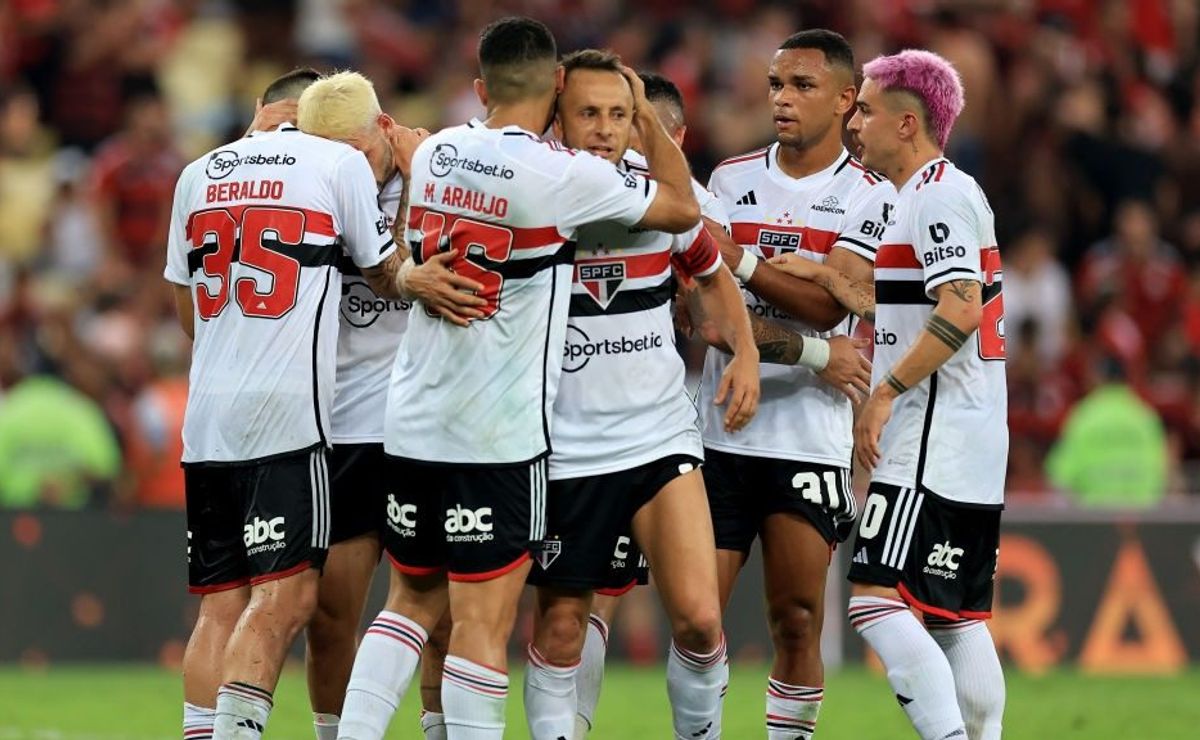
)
(369, 331)
(949, 433)
(621, 399)
(800, 417)
(256, 231)
(509, 204)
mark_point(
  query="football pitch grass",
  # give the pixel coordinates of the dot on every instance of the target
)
(140, 703)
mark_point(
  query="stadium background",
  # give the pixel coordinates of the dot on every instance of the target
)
(1082, 123)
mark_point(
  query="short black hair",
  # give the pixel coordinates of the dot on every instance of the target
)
(601, 60)
(832, 44)
(507, 48)
(661, 89)
(289, 86)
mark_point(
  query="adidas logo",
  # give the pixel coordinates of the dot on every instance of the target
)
(702, 732)
(861, 557)
(747, 200)
(251, 724)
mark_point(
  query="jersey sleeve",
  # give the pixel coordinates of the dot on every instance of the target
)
(593, 189)
(710, 206)
(868, 214)
(694, 253)
(947, 240)
(364, 228)
(178, 243)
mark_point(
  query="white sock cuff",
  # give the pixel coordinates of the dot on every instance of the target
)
(246, 693)
(539, 662)
(790, 692)
(429, 720)
(700, 662)
(866, 611)
(475, 678)
(597, 622)
(400, 628)
(197, 713)
(325, 719)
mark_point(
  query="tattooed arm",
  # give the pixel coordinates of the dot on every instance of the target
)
(847, 370)
(954, 319)
(846, 276)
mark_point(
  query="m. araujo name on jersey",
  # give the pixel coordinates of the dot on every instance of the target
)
(509, 204)
(368, 333)
(949, 433)
(621, 400)
(800, 417)
(260, 259)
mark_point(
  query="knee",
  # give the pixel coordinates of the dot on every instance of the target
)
(795, 625)
(330, 629)
(698, 630)
(982, 703)
(290, 604)
(560, 635)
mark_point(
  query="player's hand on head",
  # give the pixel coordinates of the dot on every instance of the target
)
(639, 89)
(404, 141)
(867, 428)
(447, 293)
(848, 370)
(739, 385)
(269, 117)
(794, 264)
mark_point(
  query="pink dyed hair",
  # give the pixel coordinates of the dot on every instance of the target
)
(932, 79)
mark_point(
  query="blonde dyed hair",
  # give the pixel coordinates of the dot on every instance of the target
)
(340, 106)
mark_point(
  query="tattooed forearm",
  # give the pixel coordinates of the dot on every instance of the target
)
(858, 297)
(776, 344)
(895, 384)
(946, 332)
(965, 290)
(382, 277)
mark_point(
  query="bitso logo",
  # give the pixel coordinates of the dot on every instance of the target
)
(402, 518)
(943, 561)
(221, 163)
(602, 280)
(264, 535)
(361, 308)
(469, 525)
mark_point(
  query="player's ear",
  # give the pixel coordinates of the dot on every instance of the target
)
(678, 136)
(560, 79)
(846, 100)
(481, 92)
(385, 122)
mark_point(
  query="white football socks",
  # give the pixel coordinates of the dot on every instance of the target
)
(590, 675)
(383, 668)
(696, 685)
(978, 677)
(473, 700)
(792, 710)
(549, 698)
(198, 722)
(242, 712)
(916, 668)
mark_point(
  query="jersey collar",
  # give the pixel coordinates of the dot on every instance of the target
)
(779, 177)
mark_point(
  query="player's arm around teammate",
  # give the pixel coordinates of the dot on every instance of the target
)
(723, 306)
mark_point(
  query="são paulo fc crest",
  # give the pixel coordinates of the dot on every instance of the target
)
(549, 552)
(602, 280)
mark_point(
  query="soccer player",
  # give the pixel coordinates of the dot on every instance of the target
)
(467, 425)
(934, 430)
(627, 451)
(344, 107)
(256, 231)
(785, 478)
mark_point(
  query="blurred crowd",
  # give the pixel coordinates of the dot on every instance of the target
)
(1082, 123)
